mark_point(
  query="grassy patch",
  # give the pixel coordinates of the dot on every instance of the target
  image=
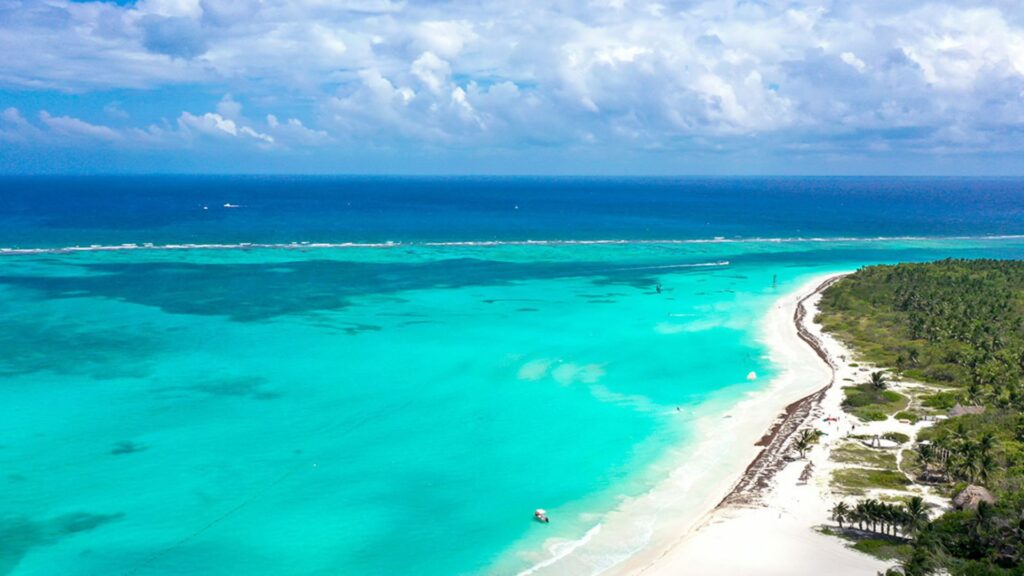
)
(878, 547)
(911, 417)
(898, 437)
(883, 549)
(858, 480)
(940, 400)
(870, 404)
(910, 464)
(852, 453)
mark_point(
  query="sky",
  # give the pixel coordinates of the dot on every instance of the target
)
(512, 87)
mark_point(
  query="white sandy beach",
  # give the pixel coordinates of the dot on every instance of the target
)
(679, 527)
(777, 536)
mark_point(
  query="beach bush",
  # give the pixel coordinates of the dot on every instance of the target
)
(897, 437)
(857, 480)
(871, 404)
(940, 400)
(853, 453)
(883, 549)
(911, 417)
(871, 415)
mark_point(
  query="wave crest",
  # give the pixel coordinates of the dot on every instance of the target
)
(475, 243)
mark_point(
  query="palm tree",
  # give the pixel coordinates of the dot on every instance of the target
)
(898, 518)
(974, 392)
(871, 511)
(879, 381)
(915, 515)
(986, 442)
(926, 456)
(982, 521)
(805, 440)
(840, 512)
(859, 515)
(922, 562)
(984, 466)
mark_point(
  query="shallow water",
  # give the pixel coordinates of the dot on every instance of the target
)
(401, 408)
(364, 411)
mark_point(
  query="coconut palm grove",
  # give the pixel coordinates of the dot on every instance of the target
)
(957, 325)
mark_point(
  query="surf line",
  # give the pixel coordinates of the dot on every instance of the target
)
(16, 251)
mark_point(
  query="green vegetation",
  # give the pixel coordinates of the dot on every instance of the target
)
(953, 322)
(857, 480)
(854, 453)
(869, 402)
(884, 549)
(806, 440)
(941, 400)
(911, 417)
(898, 437)
(958, 324)
(906, 518)
(911, 464)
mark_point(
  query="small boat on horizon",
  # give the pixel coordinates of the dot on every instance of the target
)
(541, 515)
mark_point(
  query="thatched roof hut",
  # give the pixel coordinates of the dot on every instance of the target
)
(960, 410)
(971, 496)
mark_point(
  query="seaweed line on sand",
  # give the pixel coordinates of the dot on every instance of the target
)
(757, 478)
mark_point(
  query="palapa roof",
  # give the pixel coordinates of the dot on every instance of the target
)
(971, 496)
(960, 410)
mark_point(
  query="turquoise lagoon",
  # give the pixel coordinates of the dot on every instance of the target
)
(389, 410)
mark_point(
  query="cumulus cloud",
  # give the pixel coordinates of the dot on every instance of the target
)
(809, 74)
(445, 38)
(188, 128)
(214, 124)
(294, 131)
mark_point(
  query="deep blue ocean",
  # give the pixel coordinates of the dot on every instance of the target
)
(64, 211)
(398, 396)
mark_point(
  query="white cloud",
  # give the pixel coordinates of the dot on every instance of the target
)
(432, 71)
(445, 38)
(74, 127)
(257, 135)
(209, 123)
(295, 132)
(956, 47)
(634, 73)
(214, 124)
(851, 59)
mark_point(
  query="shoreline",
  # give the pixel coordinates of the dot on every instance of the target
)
(771, 511)
(741, 449)
(759, 474)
